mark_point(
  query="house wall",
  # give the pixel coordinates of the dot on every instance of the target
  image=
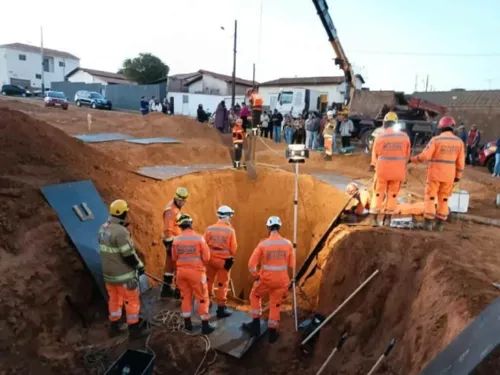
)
(82, 76)
(4, 72)
(187, 103)
(215, 86)
(30, 68)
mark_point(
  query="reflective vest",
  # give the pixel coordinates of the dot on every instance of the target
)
(257, 102)
(170, 227)
(238, 134)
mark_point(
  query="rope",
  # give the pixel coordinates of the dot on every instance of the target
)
(174, 322)
(97, 358)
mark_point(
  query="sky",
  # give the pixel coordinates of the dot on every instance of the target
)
(394, 44)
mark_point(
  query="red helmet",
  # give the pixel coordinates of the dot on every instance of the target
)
(446, 122)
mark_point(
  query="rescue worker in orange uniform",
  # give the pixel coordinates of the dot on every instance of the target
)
(238, 139)
(275, 256)
(121, 268)
(256, 103)
(191, 253)
(361, 201)
(221, 239)
(390, 155)
(170, 230)
(446, 156)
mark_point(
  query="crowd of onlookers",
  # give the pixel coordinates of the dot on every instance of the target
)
(155, 105)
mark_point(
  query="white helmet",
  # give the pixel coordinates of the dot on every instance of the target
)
(273, 220)
(329, 114)
(225, 212)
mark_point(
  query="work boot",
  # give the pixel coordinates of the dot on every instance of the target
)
(273, 335)
(374, 220)
(439, 225)
(138, 331)
(253, 327)
(428, 224)
(117, 328)
(206, 327)
(222, 312)
(387, 220)
(188, 325)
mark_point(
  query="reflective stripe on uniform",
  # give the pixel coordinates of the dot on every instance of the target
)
(109, 249)
(220, 250)
(253, 269)
(203, 279)
(219, 229)
(441, 161)
(186, 315)
(115, 314)
(182, 259)
(133, 316)
(125, 247)
(272, 322)
(255, 312)
(186, 238)
(447, 139)
(391, 158)
(389, 135)
(268, 267)
(121, 278)
(275, 242)
(205, 316)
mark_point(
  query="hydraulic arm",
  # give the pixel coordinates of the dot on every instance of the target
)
(341, 59)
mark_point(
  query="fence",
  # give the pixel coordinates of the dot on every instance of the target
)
(71, 88)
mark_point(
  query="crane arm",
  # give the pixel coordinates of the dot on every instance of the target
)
(341, 60)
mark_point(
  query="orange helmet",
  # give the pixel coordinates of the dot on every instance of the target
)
(446, 122)
(239, 122)
(351, 188)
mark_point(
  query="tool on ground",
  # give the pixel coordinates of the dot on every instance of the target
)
(296, 154)
(382, 357)
(340, 307)
(335, 350)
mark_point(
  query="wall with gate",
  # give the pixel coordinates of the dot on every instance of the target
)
(187, 104)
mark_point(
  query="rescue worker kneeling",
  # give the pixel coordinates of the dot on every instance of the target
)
(191, 253)
(390, 155)
(274, 255)
(361, 199)
(238, 139)
(170, 230)
(221, 240)
(446, 156)
(121, 268)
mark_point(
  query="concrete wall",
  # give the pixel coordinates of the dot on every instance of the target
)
(187, 104)
(486, 119)
(31, 68)
(70, 88)
(125, 96)
(4, 71)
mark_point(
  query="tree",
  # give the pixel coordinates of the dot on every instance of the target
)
(144, 69)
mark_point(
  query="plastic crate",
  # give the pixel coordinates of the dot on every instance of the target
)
(140, 363)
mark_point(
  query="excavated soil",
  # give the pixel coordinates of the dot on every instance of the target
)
(429, 288)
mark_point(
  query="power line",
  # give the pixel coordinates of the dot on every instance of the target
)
(434, 54)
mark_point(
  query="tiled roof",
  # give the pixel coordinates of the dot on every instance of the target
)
(105, 76)
(308, 81)
(36, 49)
(193, 77)
(462, 98)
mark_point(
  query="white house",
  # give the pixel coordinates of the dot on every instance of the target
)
(205, 82)
(333, 87)
(96, 76)
(21, 64)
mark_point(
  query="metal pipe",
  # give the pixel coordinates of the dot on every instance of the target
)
(340, 307)
(382, 357)
(295, 223)
(335, 350)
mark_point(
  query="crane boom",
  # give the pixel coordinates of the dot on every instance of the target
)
(341, 60)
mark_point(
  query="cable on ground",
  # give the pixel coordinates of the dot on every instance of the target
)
(97, 358)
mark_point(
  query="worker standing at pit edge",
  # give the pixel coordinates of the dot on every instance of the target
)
(238, 139)
(256, 102)
(361, 198)
(221, 239)
(191, 253)
(390, 155)
(121, 268)
(170, 230)
(329, 135)
(274, 255)
(446, 156)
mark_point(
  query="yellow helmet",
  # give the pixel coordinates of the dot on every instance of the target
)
(391, 116)
(183, 219)
(182, 193)
(118, 207)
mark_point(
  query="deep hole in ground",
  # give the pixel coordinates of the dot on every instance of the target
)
(429, 288)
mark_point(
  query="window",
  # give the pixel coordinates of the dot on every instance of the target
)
(95, 95)
(38, 76)
(48, 64)
(286, 97)
(22, 57)
(62, 64)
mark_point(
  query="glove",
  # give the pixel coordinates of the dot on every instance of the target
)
(371, 168)
(168, 247)
(456, 179)
(132, 284)
(140, 270)
(228, 263)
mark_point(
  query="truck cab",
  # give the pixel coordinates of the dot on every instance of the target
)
(299, 101)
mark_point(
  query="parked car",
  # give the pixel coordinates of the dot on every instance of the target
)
(15, 90)
(56, 99)
(92, 99)
(39, 93)
(486, 155)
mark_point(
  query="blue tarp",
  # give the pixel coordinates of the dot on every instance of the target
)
(102, 137)
(149, 141)
(83, 234)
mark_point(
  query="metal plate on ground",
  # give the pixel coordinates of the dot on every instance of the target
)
(336, 180)
(150, 141)
(81, 198)
(164, 172)
(103, 137)
(470, 347)
(228, 336)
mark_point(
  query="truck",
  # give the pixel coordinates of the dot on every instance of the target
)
(299, 101)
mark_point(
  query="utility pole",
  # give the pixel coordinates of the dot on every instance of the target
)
(43, 65)
(416, 83)
(233, 95)
(253, 77)
(427, 83)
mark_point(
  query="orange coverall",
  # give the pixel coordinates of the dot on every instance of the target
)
(221, 239)
(191, 253)
(170, 230)
(275, 255)
(445, 154)
(391, 152)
